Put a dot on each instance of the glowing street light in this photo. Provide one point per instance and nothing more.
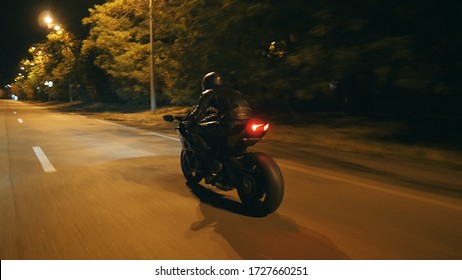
(49, 84)
(48, 19)
(51, 24)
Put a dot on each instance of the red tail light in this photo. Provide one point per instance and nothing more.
(257, 128)
(260, 126)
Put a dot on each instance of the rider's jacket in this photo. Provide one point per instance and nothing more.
(229, 106)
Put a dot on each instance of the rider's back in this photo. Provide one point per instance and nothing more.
(231, 105)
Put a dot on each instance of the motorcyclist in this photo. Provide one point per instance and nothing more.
(220, 110)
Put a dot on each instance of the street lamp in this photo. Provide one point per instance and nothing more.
(50, 23)
(49, 84)
(10, 94)
(48, 19)
(59, 30)
(151, 42)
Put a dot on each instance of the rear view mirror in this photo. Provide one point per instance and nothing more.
(168, 118)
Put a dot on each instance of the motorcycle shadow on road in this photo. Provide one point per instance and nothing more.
(217, 200)
(255, 236)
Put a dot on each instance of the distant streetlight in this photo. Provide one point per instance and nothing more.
(8, 89)
(49, 84)
(151, 42)
(51, 23)
(48, 19)
(59, 30)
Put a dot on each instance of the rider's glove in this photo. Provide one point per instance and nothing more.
(187, 124)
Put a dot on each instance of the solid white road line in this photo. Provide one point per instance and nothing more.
(355, 182)
(111, 123)
(20, 120)
(165, 136)
(153, 133)
(46, 164)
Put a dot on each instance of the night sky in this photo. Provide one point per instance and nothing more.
(20, 28)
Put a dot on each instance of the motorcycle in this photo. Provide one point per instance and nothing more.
(256, 176)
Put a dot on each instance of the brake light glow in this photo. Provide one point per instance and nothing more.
(255, 127)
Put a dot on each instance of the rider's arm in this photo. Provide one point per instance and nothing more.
(199, 111)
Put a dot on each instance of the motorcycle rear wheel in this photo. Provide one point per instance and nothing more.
(263, 189)
(189, 167)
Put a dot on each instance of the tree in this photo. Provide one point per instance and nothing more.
(118, 44)
(52, 60)
(321, 54)
(62, 49)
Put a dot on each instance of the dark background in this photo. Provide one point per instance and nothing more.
(20, 28)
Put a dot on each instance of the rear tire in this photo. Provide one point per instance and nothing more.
(189, 167)
(263, 189)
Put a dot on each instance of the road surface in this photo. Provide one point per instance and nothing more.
(73, 187)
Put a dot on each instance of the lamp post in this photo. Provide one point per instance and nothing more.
(8, 89)
(49, 84)
(59, 30)
(151, 60)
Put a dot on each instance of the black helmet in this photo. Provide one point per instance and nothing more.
(211, 80)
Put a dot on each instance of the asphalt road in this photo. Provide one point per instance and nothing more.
(73, 187)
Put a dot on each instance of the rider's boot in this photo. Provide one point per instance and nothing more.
(215, 169)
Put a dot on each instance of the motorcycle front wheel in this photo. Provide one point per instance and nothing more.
(189, 167)
(263, 188)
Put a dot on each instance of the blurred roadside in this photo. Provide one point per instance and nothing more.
(435, 140)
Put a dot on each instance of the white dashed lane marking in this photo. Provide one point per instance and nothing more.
(46, 164)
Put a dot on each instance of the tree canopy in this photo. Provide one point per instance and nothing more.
(330, 54)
